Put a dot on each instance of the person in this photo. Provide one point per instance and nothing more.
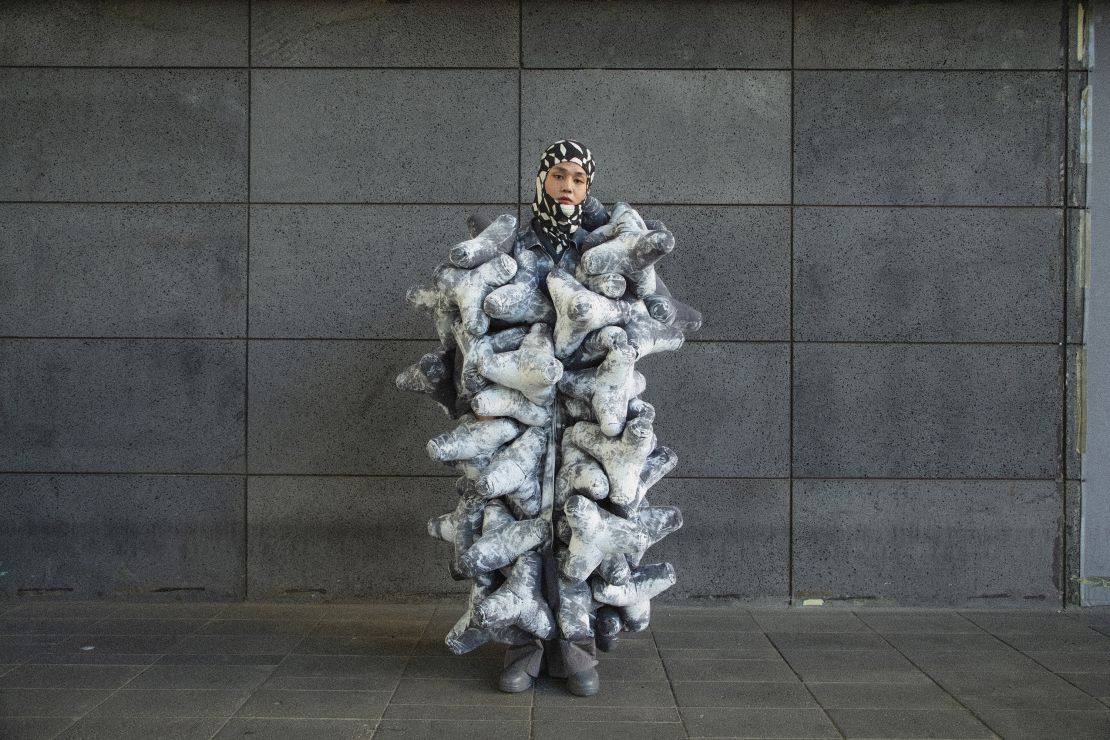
(562, 209)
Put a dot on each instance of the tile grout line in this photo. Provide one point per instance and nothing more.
(247, 321)
(484, 204)
(1065, 519)
(790, 374)
(670, 683)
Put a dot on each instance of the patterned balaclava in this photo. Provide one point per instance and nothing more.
(558, 220)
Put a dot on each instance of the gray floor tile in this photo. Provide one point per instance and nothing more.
(435, 729)
(171, 703)
(767, 653)
(1095, 660)
(907, 723)
(315, 704)
(630, 669)
(926, 642)
(972, 660)
(729, 670)
(49, 702)
(1095, 684)
(32, 676)
(398, 628)
(914, 622)
(607, 714)
(143, 728)
(802, 620)
(329, 683)
(63, 609)
(260, 610)
(757, 723)
(687, 619)
(553, 692)
(228, 677)
(257, 627)
(146, 626)
(220, 659)
(453, 666)
(15, 654)
(380, 674)
(1055, 642)
(827, 641)
(1048, 723)
(1014, 690)
(176, 610)
(455, 691)
(854, 666)
(609, 730)
(881, 696)
(297, 729)
(236, 644)
(705, 639)
(33, 728)
(1025, 621)
(381, 611)
(349, 645)
(477, 711)
(43, 625)
(742, 694)
(85, 643)
(95, 657)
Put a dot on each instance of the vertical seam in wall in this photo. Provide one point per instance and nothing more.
(519, 103)
(247, 332)
(790, 410)
(1065, 231)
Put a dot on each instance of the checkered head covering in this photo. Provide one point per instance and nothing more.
(558, 220)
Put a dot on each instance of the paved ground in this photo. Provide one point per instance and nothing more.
(117, 671)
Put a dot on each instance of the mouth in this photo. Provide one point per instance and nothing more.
(565, 199)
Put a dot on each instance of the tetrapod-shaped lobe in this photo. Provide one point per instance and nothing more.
(532, 369)
(503, 546)
(444, 315)
(431, 374)
(472, 349)
(647, 582)
(608, 388)
(473, 438)
(579, 311)
(622, 457)
(630, 247)
(497, 400)
(607, 627)
(636, 617)
(444, 526)
(579, 474)
(648, 335)
(575, 605)
(521, 301)
(519, 601)
(595, 534)
(661, 461)
(495, 239)
(466, 289)
(657, 522)
(468, 525)
(513, 466)
(466, 636)
(608, 284)
(662, 306)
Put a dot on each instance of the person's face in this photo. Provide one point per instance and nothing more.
(567, 183)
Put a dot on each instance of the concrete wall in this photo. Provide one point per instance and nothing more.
(211, 212)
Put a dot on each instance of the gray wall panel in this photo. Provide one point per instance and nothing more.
(1073, 497)
(665, 136)
(99, 536)
(158, 33)
(952, 543)
(292, 33)
(907, 411)
(658, 34)
(1079, 142)
(733, 265)
(343, 271)
(708, 394)
(998, 34)
(928, 274)
(941, 138)
(327, 407)
(1079, 258)
(734, 540)
(347, 537)
(112, 405)
(1077, 407)
(436, 136)
(111, 135)
(123, 270)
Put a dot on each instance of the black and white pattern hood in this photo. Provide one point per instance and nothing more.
(556, 220)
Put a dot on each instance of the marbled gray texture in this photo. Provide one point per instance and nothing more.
(746, 296)
(1078, 237)
(113, 405)
(1079, 142)
(957, 543)
(999, 34)
(342, 271)
(668, 136)
(107, 536)
(123, 270)
(927, 410)
(123, 135)
(440, 33)
(318, 135)
(935, 138)
(735, 536)
(1073, 511)
(657, 34)
(342, 537)
(734, 421)
(928, 274)
(1077, 407)
(330, 407)
(156, 33)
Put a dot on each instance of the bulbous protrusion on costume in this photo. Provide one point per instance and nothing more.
(465, 636)
(629, 246)
(521, 301)
(607, 627)
(473, 438)
(595, 534)
(532, 369)
(647, 582)
(497, 400)
(575, 604)
(648, 335)
(431, 374)
(518, 602)
(511, 467)
(608, 284)
(471, 350)
(579, 474)
(495, 239)
(614, 569)
(466, 289)
(636, 617)
(579, 311)
(503, 546)
(608, 387)
(661, 461)
(662, 306)
(468, 524)
(622, 457)
(657, 522)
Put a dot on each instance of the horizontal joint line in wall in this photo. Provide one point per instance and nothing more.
(514, 68)
(486, 204)
(1003, 343)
